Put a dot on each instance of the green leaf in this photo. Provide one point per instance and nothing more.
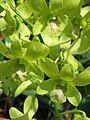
(73, 95)
(16, 49)
(24, 11)
(46, 86)
(85, 10)
(4, 51)
(33, 67)
(24, 31)
(49, 67)
(80, 117)
(54, 52)
(30, 106)
(67, 72)
(9, 67)
(1, 9)
(19, 2)
(37, 28)
(64, 41)
(83, 78)
(83, 45)
(49, 40)
(55, 5)
(9, 19)
(3, 24)
(70, 60)
(69, 4)
(15, 113)
(85, 42)
(22, 87)
(39, 6)
(36, 51)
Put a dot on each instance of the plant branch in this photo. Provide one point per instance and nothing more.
(73, 111)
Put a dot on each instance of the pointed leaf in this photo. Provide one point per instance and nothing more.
(4, 51)
(9, 67)
(49, 67)
(33, 67)
(30, 105)
(69, 4)
(73, 95)
(36, 50)
(83, 78)
(55, 5)
(15, 113)
(16, 49)
(37, 28)
(22, 87)
(46, 86)
(39, 6)
(67, 72)
(24, 11)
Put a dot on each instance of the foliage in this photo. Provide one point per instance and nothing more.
(38, 44)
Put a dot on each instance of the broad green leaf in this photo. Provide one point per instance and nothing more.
(80, 117)
(16, 49)
(86, 21)
(70, 60)
(66, 26)
(73, 95)
(75, 47)
(24, 11)
(36, 50)
(46, 86)
(37, 28)
(58, 95)
(85, 10)
(83, 44)
(24, 31)
(71, 9)
(49, 67)
(33, 67)
(55, 5)
(30, 106)
(15, 113)
(64, 41)
(48, 40)
(3, 24)
(4, 51)
(54, 52)
(83, 78)
(9, 67)
(69, 4)
(9, 19)
(39, 6)
(67, 72)
(22, 87)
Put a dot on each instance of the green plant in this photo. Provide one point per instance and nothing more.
(38, 43)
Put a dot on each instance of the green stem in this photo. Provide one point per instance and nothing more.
(73, 111)
(25, 21)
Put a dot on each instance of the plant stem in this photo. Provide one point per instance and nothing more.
(73, 111)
